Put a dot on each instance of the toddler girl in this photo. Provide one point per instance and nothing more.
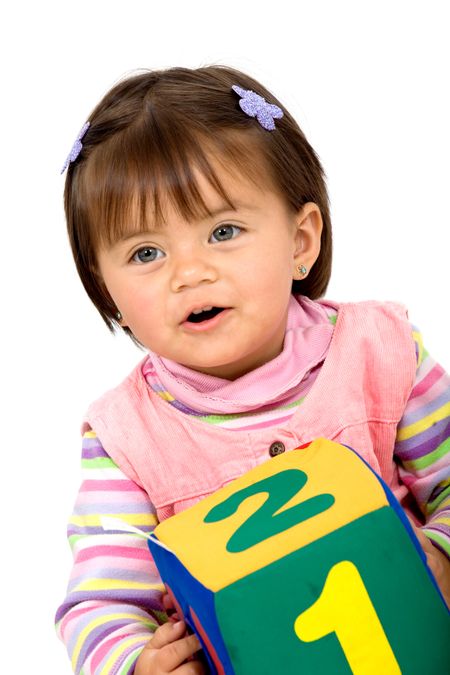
(198, 217)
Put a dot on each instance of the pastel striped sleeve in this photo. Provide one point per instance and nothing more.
(423, 446)
(113, 599)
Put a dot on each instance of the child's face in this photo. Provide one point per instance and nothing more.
(241, 263)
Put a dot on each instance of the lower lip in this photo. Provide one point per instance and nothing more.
(203, 326)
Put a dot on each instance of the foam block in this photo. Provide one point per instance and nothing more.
(306, 564)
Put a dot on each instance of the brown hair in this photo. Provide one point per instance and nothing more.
(145, 137)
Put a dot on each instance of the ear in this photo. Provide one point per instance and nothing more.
(307, 239)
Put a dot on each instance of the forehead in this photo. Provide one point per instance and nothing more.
(211, 191)
(233, 191)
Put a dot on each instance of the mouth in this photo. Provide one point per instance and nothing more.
(205, 314)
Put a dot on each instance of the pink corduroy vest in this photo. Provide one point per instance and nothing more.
(357, 399)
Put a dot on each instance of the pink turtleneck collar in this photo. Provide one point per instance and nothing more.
(308, 335)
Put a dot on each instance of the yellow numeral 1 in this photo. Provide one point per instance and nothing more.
(344, 607)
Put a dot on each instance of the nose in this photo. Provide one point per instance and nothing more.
(192, 271)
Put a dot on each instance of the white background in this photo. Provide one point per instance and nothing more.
(368, 83)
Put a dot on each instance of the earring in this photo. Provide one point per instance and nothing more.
(302, 270)
(118, 316)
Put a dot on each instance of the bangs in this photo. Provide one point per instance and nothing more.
(128, 180)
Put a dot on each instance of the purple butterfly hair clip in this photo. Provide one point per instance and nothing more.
(255, 105)
(76, 147)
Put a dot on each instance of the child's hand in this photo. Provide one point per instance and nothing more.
(169, 606)
(438, 563)
(168, 651)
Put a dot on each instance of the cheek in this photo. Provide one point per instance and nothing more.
(269, 273)
(144, 316)
(134, 300)
(113, 286)
(138, 304)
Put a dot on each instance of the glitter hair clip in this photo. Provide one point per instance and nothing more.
(255, 105)
(76, 147)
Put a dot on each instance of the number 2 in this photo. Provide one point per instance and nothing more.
(266, 521)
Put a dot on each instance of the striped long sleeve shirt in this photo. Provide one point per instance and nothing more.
(113, 604)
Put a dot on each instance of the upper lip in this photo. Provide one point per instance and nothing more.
(199, 307)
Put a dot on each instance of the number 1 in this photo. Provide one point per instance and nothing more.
(345, 608)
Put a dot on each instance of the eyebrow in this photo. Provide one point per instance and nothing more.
(221, 210)
(225, 208)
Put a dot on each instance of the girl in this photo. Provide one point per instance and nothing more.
(198, 217)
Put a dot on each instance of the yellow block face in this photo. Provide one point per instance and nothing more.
(334, 487)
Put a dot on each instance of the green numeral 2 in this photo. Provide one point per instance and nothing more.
(266, 522)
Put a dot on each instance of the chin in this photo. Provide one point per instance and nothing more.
(226, 371)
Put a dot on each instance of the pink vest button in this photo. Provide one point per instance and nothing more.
(276, 448)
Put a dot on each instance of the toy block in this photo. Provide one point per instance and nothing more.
(307, 564)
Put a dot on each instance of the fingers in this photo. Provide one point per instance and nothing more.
(167, 602)
(166, 634)
(192, 668)
(424, 541)
(170, 647)
(173, 655)
(426, 544)
(437, 562)
(173, 610)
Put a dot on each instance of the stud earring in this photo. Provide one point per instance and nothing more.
(118, 316)
(302, 270)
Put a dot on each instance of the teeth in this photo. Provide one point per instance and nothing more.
(199, 311)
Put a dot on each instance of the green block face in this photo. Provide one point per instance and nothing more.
(358, 600)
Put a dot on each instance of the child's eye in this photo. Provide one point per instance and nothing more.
(225, 232)
(147, 254)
